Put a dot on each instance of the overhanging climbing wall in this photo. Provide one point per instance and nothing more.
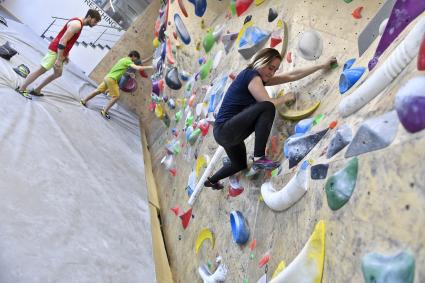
(372, 203)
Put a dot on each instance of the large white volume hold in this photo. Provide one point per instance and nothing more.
(384, 75)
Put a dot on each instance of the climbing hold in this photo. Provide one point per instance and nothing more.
(310, 45)
(189, 119)
(299, 147)
(275, 39)
(349, 77)
(201, 108)
(421, 56)
(289, 57)
(348, 64)
(232, 76)
(247, 19)
(319, 171)
(378, 268)
(374, 134)
(235, 188)
(176, 210)
(191, 183)
(170, 58)
(182, 8)
(7, 51)
(303, 126)
(22, 70)
(410, 105)
(205, 234)
(264, 260)
(403, 13)
(185, 217)
(333, 124)
(228, 41)
(155, 42)
(127, 83)
(192, 100)
(285, 145)
(279, 23)
(218, 276)
(357, 13)
(252, 40)
(181, 29)
(184, 76)
(178, 116)
(253, 245)
(204, 126)
(318, 118)
(383, 26)
(295, 115)
(167, 161)
(206, 69)
(288, 195)
(158, 86)
(280, 267)
(259, 2)
(172, 79)
(272, 15)
(216, 92)
(242, 6)
(200, 7)
(233, 7)
(342, 138)
(217, 59)
(340, 186)
(348, 1)
(201, 60)
(240, 230)
(202, 162)
(218, 31)
(208, 41)
(308, 265)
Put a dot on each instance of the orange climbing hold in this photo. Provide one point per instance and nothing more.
(264, 260)
(274, 144)
(333, 124)
(176, 210)
(253, 245)
(175, 35)
(185, 217)
(182, 8)
(421, 56)
(170, 58)
(357, 13)
(242, 6)
(173, 172)
(289, 57)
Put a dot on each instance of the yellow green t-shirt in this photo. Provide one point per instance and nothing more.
(119, 68)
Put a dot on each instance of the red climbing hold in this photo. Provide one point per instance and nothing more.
(185, 217)
(175, 35)
(333, 124)
(275, 40)
(176, 210)
(152, 106)
(253, 245)
(289, 57)
(357, 13)
(173, 172)
(274, 144)
(182, 8)
(264, 260)
(242, 6)
(143, 73)
(421, 56)
(232, 76)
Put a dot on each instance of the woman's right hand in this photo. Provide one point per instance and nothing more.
(289, 98)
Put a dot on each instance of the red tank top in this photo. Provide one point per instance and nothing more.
(54, 44)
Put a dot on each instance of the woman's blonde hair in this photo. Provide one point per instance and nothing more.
(263, 57)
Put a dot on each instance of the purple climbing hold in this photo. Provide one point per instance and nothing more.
(403, 13)
(410, 105)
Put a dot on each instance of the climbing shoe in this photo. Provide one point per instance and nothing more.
(33, 92)
(24, 93)
(265, 163)
(214, 186)
(105, 114)
(83, 103)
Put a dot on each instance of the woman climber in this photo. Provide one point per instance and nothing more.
(247, 108)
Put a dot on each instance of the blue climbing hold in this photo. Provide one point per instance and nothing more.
(200, 6)
(304, 126)
(240, 230)
(349, 77)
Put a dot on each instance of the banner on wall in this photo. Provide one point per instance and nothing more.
(108, 15)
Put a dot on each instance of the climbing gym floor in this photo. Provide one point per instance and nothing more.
(73, 192)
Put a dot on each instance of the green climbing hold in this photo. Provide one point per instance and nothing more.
(318, 118)
(205, 69)
(245, 281)
(334, 65)
(233, 7)
(194, 136)
(208, 41)
(189, 120)
(348, 1)
(340, 186)
(178, 116)
(378, 268)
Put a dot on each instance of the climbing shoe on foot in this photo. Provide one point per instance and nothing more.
(24, 93)
(33, 92)
(214, 186)
(265, 163)
(105, 114)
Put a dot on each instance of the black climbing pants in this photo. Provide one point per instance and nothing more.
(231, 134)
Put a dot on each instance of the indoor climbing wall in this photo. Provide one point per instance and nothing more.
(349, 194)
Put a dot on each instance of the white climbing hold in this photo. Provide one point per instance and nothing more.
(310, 45)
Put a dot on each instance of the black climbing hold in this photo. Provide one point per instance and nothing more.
(172, 79)
(299, 147)
(272, 15)
(6, 51)
(342, 138)
(247, 19)
(3, 21)
(319, 171)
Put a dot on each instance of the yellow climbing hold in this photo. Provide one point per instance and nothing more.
(155, 42)
(204, 235)
(308, 265)
(159, 111)
(281, 266)
(259, 2)
(280, 23)
(242, 31)
(198, 45)
(203, 161)
(295, 115)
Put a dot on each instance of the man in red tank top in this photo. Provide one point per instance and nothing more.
(58, 52)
